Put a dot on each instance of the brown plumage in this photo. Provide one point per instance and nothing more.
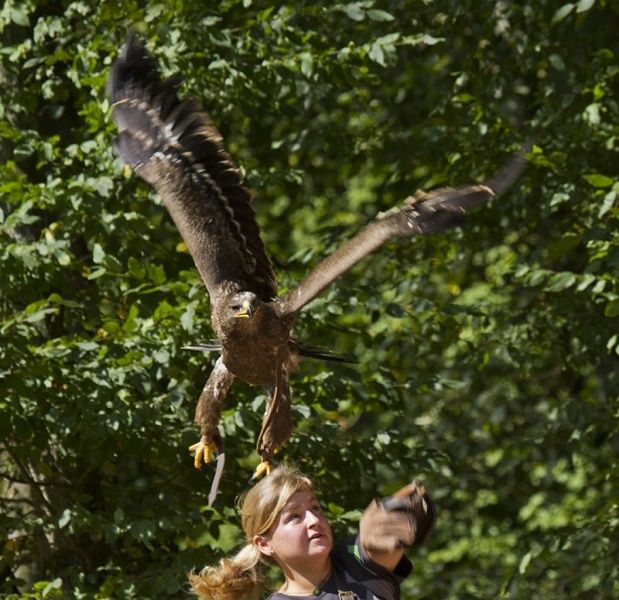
(175, 147)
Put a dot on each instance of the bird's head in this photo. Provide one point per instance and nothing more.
(243, 305)
(240, 314)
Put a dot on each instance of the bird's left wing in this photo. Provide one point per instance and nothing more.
(425, 212)
(175, 147)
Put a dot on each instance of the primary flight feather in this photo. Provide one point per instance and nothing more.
(173, 145)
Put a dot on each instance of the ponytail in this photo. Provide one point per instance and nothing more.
(235, 578)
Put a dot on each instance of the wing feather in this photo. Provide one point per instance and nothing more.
(425, 212)
(175, 147)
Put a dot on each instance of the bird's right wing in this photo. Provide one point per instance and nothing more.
(175, 147)
(425, 212)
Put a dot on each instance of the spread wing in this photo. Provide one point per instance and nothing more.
(429, 212)
(175, 147)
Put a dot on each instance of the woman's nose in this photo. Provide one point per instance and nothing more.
(311, 518)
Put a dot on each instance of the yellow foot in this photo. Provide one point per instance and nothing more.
(203, 452)
(264, 468)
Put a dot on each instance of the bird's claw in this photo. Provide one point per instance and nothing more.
(204, 452)
(264, 468)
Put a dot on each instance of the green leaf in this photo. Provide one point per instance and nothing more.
(612, 309)
(98, 254)
(592, 113)
(307, 64)
(52, 589)
(524, 563)
(162, 356)
(156, 274)
(187, 318)
(607, 204)
(96, 274)
(599, 181)
(104, 186)
(559, 198)
(421, 38)
(210, 21)
(380, 15)
(354, 11)
(584, 5)
(136, 268)
(19, 16)
(111, 263)
(377, 54)
(585, 281)
(560, 281)
(65, 518)
(153, 11)
(563, 12)
(63, 257)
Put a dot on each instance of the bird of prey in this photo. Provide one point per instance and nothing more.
(172, 144)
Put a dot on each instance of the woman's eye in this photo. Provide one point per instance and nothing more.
(293, 517)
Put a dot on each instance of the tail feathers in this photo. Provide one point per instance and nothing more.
(318, 353)
(210, 346)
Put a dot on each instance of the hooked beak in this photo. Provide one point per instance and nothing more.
(246, 311)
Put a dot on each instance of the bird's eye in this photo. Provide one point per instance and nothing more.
(236, 307)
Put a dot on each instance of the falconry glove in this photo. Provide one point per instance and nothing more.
(399, 521)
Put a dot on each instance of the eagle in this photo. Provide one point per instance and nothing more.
(173, 145)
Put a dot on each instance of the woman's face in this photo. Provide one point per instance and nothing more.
(301, 532)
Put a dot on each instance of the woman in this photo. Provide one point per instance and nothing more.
(284, 524)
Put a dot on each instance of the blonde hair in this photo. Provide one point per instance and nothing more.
(238, 577)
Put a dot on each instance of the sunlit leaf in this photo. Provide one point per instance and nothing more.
(563, 12)
(380, 15)
(584, 5)
(597, 180)
(612, 309)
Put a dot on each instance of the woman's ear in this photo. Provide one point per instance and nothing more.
(263, 544)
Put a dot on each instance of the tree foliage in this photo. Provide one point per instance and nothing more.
(487, 356)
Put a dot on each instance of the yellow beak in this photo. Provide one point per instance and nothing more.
(246, 312)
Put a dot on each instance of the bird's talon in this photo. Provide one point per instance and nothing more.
(264, 468)
(204, 452)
